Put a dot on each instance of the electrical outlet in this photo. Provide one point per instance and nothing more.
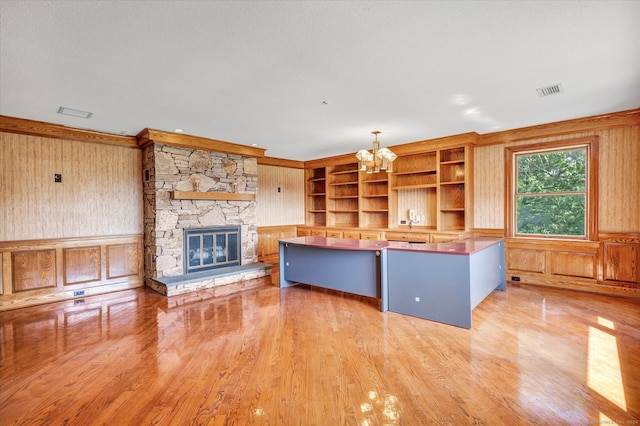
(514, 278)
(417, 299)
(78, 293)
(57, 178)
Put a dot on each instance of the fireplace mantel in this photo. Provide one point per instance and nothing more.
(194, 195)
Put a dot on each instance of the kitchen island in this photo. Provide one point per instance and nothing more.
(440, 282)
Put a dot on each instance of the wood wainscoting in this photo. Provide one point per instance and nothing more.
(608, 266)
(40, 271)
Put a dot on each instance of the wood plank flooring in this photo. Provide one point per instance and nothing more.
(303, 356)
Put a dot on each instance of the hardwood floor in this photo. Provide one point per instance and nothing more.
(302, 356)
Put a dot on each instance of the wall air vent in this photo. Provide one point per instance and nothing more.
(550, 90)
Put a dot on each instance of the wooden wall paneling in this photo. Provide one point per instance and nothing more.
(34, 270)
(3, 285)
(122, 260)
(284, 207)
(489, 190)
(621, 262)
(423, 200)
(573, 264)
(619, 180)
(81, 264)
(526, 259)
(268, 237)
(100, 192)
(41, 271)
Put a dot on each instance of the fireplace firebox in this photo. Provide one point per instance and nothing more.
(211, 248)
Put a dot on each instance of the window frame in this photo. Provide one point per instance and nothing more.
(591, 209)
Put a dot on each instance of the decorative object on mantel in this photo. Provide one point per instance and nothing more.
(377, 159)
(195, 181)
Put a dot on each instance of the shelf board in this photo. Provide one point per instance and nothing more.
(317, 194)
(425, 185)
(344, 197)
(375, 196)
(343, 183)
(343, 211)
(453, 183)
(375, 210)
(415, 172)
(316, 179)
(375, 181)
(452, 162)
(344, 172)
(317, 211)
(193, 195)
(456, 209)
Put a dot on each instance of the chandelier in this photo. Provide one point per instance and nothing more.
(377, 159)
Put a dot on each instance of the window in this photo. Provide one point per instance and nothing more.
(552, 189)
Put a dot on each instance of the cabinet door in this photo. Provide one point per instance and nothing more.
(352, 235)
(370, 236)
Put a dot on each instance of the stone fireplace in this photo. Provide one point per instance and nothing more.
(190, 190)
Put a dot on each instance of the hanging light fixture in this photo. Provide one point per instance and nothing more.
(377, 159)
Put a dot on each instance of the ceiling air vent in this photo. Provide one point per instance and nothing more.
(550, 90)
(74, 112)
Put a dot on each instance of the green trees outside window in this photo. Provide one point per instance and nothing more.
(551, 192)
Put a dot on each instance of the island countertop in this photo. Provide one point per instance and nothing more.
(460, 247)
(337, 243)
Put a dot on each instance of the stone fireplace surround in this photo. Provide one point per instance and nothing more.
(168, 168)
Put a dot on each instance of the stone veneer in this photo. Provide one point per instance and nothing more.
(169, 168)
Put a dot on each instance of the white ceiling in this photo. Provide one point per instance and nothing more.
(261, 71)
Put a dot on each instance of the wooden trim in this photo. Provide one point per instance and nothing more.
(66, 242)
(455, 141)
(487, 232)
(619, 236)
(228, 196)
(280, 162)
(331, 161)
(593, 123)
(150, 136)
(58, 131)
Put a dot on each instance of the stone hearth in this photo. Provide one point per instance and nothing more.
(170, 168)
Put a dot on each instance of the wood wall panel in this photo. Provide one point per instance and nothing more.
(100, 192)
(34, 270)
(285, 207)
(489, 202)
(268, 237)
(424, 201)
(619, 183)
(573, 264)
(530, 260)
(81, 264)
(122, 260)
(42, 271)
(621, 262)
